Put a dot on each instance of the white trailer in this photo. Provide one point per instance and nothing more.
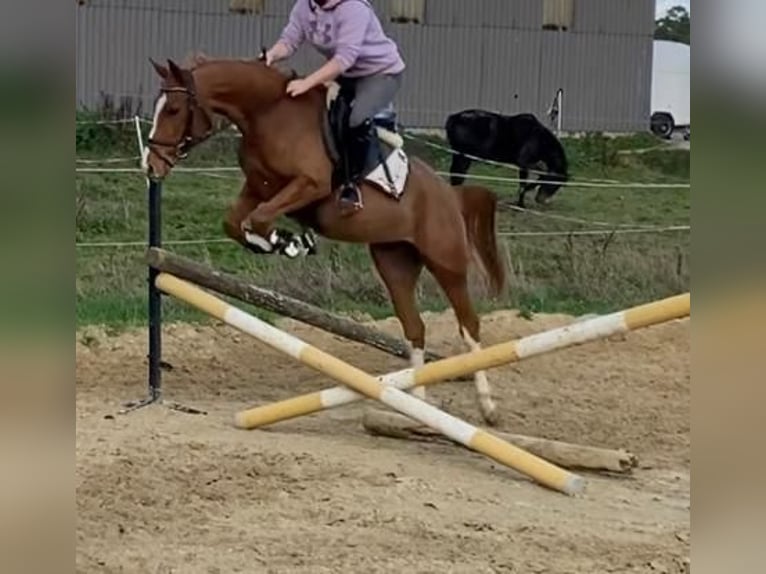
(671, 88)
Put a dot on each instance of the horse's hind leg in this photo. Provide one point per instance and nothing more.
(455, 285)
(399, 266)
(458, 169)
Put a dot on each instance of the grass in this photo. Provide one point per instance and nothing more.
(571, 274)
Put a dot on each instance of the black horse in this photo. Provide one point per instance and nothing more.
(520, 140)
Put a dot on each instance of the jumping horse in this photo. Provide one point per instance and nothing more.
(288, 168)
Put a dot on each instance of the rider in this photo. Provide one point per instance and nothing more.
(360, 57)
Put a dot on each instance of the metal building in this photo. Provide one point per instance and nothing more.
(506, 55)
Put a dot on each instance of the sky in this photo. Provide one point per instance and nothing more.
(663, 5)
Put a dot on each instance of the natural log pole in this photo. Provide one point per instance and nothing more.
(233, 286)
(567, 455)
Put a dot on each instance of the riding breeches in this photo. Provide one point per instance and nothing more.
(373, 95)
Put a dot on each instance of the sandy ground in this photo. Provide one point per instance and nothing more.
(160, 491)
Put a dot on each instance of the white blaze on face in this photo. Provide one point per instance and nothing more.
(161, 101)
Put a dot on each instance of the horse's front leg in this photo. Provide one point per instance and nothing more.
(525, 185)
(258, 226)
(270, 241)
(247, 201)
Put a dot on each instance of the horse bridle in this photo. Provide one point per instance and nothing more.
(187, 140)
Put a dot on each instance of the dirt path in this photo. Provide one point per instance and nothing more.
(159, 491)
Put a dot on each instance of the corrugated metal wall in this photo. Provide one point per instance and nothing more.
(491, 54)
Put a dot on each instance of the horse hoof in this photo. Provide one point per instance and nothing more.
(308, 239)
(492, 419)
(490, 414)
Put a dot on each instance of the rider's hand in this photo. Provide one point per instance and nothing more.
(276, 53)
(298, 87)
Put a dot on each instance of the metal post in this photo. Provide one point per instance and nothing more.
(155, 304)
(155, 308)
(155, 313)
(154, 207)
(155, 297)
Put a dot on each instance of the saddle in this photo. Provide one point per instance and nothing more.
(386, 165)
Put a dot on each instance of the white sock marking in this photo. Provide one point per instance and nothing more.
(480, 377)
(417, 360)
(260, 242)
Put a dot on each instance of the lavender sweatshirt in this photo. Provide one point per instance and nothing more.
(347, 31)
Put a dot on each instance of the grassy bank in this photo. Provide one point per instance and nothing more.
(570, 273)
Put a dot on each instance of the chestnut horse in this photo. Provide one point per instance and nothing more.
(288, 172)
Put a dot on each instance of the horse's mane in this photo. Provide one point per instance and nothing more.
(197, 60)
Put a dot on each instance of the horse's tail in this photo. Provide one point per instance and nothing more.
(479, 205)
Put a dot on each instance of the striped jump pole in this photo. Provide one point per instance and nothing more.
(369, 386)
(460, 365)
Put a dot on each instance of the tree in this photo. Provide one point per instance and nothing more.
(674, 26)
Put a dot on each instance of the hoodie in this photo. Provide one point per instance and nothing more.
(347, 31)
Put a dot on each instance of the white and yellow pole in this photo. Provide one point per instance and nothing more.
(369, 386)
(468, 363)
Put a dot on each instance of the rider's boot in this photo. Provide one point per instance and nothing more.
(356, 150)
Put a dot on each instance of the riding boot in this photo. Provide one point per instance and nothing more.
(356, 150)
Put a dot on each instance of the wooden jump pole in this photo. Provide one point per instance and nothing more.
(233, 286)
(460, 365)
(479, 440)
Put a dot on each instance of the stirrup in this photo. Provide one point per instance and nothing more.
(350, 197)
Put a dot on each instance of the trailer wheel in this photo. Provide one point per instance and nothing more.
(662, 125)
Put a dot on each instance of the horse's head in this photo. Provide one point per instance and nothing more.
(180, 121)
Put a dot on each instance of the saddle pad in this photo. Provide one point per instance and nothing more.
(398, 166)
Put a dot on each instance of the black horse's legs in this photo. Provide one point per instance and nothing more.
(525, 185)
(527, 159)
(458, 169)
